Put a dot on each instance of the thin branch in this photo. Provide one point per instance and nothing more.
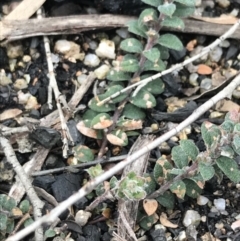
(118, 167)
(36, 202)
(177, 67)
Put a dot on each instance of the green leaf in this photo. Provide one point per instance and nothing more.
(218, 173)
(7, 203)
(176, 171)
(173, 22)
(131, 45)
(133, 27)
(167, 9)
(147, 16)
(143, 99)
(190, 3)
(112, 90)
(133, 112)
(228, 126)
(127, 125)
(101, 121)
(170, 41)
(164, 52)
(28, 222)
(118, 75)
(103, 108)
(50, 233)
(83, 153)
(178, 188)
(99, 189)
(162, 170)
(154, 3)
(3, 221)
(156, 87)
(129, 64)
(89, 114)
(113, 182)
(190, 149)
(152, 54)
(229, 167)
(118, 138)
(150, 184)
(206, 171)
(236, 128)
(147, 222)
(183, 11)
(85, 128)
(167, 200)
(24, 206)
(10, 225)
(192, 189)
(158, 66)
(227, 151)
(94, 171)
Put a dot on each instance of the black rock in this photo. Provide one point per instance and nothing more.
(106, 237)
(3, 57)
(172, 87)
(44, 136)
(34, 114)
(161, 105)
(44, 182)
(81, 204)
(77, 137)
(178, 115)
(91, 233)
(65, 185)
(42, 95)
(51, 161)
(158, 235)
(178, 55)
(232, 51)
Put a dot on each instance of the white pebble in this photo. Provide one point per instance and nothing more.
(191, 217)
(182, 236)
(93, 45)
(81, 78)
(206, 84)
(201, 200)
(14, 50)
(106, 49)
(224, 44)
(216, 54)
(193, 79)
(82, 217)
(223, 3)
(102, 71)
(20, 84)
(220, 204)
(91, 60)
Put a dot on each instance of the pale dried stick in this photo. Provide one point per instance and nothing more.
(58, 96)
(36, 202)
(88, 187)
(179, 66)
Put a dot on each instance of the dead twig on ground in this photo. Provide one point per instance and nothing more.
(36, 202)
(13, 30)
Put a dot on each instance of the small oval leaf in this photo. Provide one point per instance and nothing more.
(118, 138)
(131, 45)
(143, 99)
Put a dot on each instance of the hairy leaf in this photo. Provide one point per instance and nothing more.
(24, 206)
(229, 167)
(49, 233)
(94, 171)
(147, 16)
(129, 64)
(183, 11)
(170, 41)
(167, 9)
(152, 54)
(179, 188)
(101, 121)
(143, 99)
(83, 153)
(186, 2)
(173, 22)
(158, 66)
(207, 171)
(3, 221)
(103, 108)
(150, 184)
(118, 137)
(133, 27)
(192, 189)
(155, 87)
(154, 3)
(133, 112)
(162, 170)
(147, 222)
(167, 200)
(228, 126)
(164, 52)
(131, 45)
(85, 128)
(89, 114)
(118, 75)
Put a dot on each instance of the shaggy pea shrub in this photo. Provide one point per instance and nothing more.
(144, 53)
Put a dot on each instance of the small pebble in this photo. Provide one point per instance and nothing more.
(204, 69)
(102, 71)
(106, 49)
(14, 50)
(20, 84)
(26, 58)
(216, 54)
(82, 217)
(206, 84)
(223, 3)
(93, 45)
(191, 217)
(208, 3)
(4, 80)
(193, 79)
(182, 236)
(201, 200)
(91, 60)
(197, 51)
(81, 78)
(234, 12)
(220, 204)
(224, 44)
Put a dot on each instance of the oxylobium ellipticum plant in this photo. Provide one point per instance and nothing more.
(143, 55)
